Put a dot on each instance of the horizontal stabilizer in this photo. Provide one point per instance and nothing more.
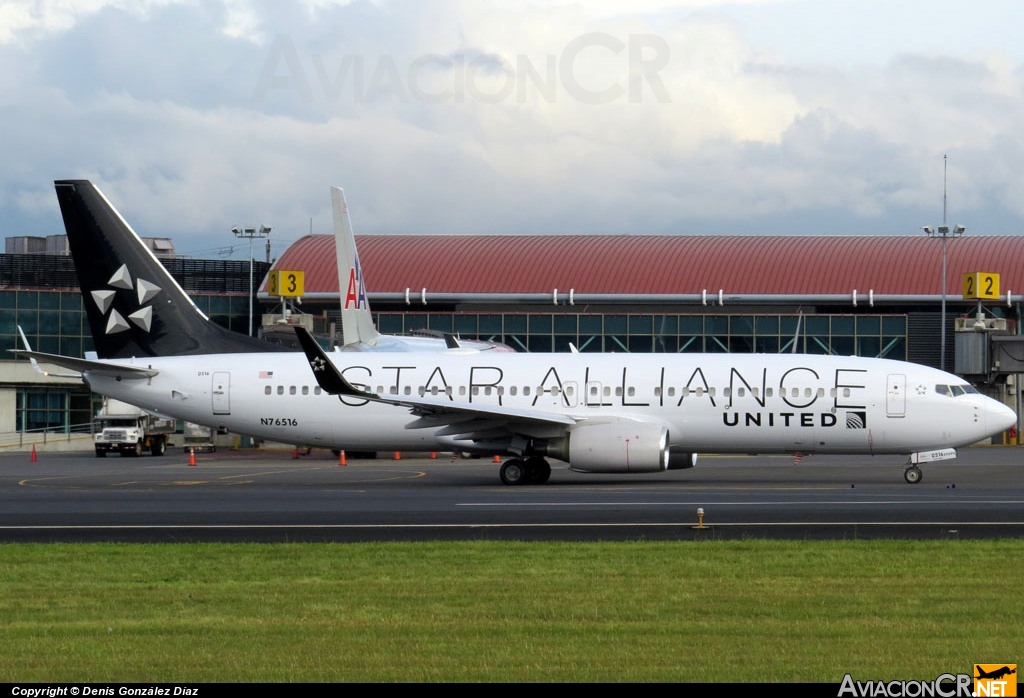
(87, 368)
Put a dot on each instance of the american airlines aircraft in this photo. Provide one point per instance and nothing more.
(357, 328)
(600, 413)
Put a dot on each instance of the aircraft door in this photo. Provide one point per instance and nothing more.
(896, 395)
(221, 392)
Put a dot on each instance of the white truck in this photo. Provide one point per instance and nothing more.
(129, 430)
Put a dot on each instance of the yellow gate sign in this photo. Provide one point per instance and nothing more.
(981, 284)
(287, 284)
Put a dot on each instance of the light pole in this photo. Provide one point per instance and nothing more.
(240, 232)
(943, 233)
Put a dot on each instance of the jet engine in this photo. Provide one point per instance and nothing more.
(623, 446)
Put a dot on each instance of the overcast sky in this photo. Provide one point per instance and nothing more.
(507, 116)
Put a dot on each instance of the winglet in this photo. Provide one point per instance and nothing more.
(327, 376)
(35, 364)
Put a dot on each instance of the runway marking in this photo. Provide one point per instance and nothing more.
(61, 481)
(704, 502)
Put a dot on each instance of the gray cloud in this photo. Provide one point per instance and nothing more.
(454, 117)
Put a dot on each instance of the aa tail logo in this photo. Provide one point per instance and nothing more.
(355, 295)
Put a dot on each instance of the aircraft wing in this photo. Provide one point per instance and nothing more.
(464, 420)
(87, 367)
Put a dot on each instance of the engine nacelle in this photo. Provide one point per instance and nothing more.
(614, 447)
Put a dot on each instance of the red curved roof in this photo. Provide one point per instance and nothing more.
(654, 264)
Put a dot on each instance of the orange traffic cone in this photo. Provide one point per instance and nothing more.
(497, 458)
(295, 453)
(342, 460)
(433, 455)
(398, 455)
(191, 456)
(33, 457)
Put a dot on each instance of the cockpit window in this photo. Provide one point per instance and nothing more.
(955, 390)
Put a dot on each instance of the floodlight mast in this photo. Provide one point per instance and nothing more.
(943, 233)
(241, 232)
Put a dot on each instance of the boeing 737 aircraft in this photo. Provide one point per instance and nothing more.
(600, 413)
(357, 328)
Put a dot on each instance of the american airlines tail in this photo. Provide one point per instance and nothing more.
(134, 306)
(356, 322)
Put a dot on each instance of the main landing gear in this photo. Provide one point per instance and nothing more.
(912, 475)
(525, 471)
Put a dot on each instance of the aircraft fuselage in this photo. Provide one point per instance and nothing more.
(709, 403)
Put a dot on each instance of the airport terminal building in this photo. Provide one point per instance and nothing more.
(879, 296)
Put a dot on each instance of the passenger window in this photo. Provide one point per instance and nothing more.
(280, 390)
(291, 390)
(267, 390)
(305, 390)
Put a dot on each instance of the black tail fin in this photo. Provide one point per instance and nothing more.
(134, 306)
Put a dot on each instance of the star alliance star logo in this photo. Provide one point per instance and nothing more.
(317, 364)
(141, 318)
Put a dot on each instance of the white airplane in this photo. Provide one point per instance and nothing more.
(357, 328)
(600, 413)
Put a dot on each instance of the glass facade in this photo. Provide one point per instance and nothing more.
(54, 322)
(861, 335)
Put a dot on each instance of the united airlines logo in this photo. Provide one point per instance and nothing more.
(141, 318)
(856, 420)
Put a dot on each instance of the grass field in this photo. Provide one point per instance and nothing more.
(742, 611)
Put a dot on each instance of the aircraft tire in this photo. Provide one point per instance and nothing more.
(912, 475)
(513, 472)
(537, 471)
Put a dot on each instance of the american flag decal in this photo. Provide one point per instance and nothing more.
(266, 374)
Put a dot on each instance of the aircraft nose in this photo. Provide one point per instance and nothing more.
(1000, 417)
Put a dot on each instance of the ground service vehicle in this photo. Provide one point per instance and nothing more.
(129, 430)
